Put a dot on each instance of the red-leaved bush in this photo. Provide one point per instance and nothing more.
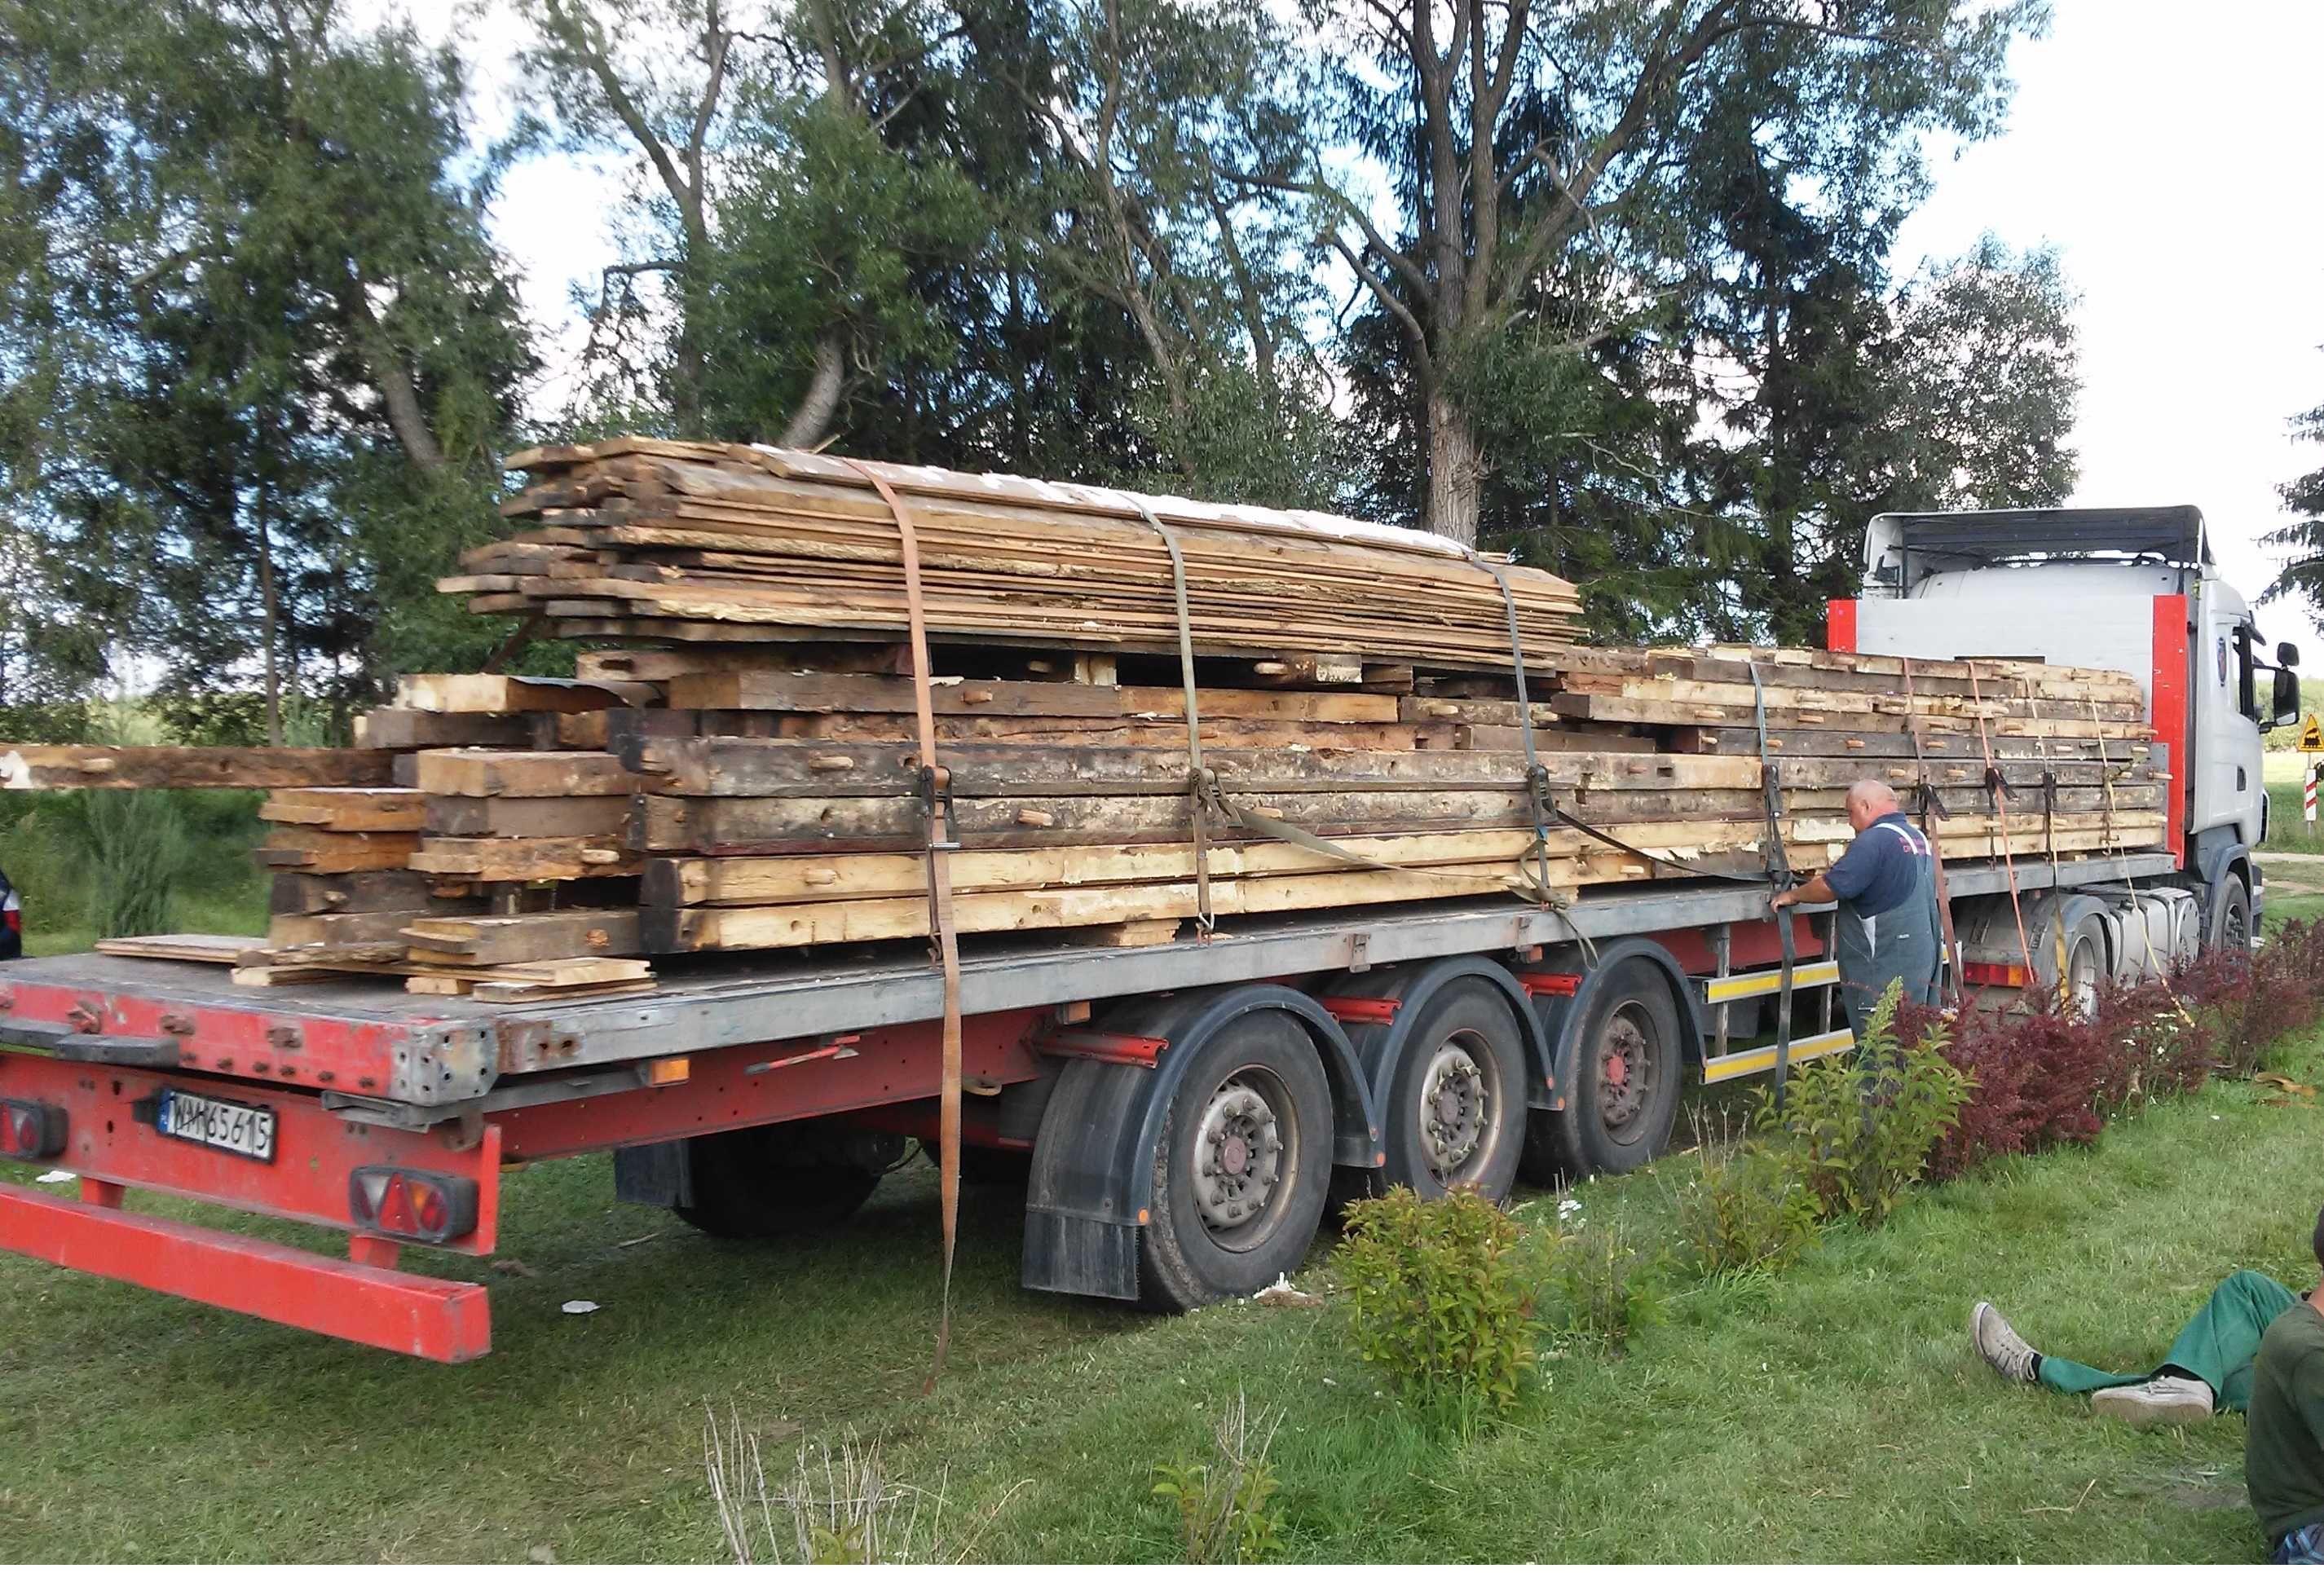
(2044, 1079)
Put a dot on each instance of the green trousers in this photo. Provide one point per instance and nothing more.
(2218, 1345)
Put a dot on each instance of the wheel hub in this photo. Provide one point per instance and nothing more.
(1238, 1157)
(1621, 1049)
(1453, 1100)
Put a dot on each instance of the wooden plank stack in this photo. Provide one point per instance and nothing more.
(699, 542)
(736, 768)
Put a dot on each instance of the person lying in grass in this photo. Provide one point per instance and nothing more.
(2254, 1346)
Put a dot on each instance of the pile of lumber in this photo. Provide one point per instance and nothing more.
(711, 542)
(735, 765)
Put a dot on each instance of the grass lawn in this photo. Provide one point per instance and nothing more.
(1833, 1413)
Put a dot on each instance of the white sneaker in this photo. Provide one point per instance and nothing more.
(1998, 1342)
(2164, 1401)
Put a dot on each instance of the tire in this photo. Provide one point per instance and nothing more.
(1455, 1110)
(2230, 924)
(2085, 969)
(1243, 1168)
(1627, 1066)
(743, 1189)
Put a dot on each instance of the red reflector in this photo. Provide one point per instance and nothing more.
(30, 1130)
(411, 1204)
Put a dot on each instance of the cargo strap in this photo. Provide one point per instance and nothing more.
(1538, 799)
(943, 839)
(1997, 789)
(1932, 809)
(1780, 878)
(1203, 798)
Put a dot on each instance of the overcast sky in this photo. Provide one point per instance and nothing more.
(2167, 149)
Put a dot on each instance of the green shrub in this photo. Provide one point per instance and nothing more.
(1227, 1510)
(1605, 1283)
(1437, 1296)
(1861, 1128)
(1750, 1207)
(135, 849)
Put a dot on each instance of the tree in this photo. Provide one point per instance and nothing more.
(2302, 575)
(605, 70)
(1537, 153)
(257, 336)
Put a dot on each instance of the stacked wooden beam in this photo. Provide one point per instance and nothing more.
(744, 772)
(794, 837)
(456, 853)
(687, 541)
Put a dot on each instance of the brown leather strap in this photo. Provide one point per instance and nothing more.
(936, 791)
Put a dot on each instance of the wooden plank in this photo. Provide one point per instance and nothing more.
(347, 808)
(491, 694)
(529, 937)
(487, 773)
(527, 993)
(528, 816)
(675, 929)
(380, 890)
(44, 766)
(421, 728)
(756, 768)
(497, 858)
(329, 851)
(221, 949)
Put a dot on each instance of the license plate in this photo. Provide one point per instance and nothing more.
(231, 1127)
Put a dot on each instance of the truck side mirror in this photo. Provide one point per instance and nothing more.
(2287, 655)
(2286, 697)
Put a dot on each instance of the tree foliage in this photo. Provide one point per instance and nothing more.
(2302, 575)
(261, 351)
(1609, 283)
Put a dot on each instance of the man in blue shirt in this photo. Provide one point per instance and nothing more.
(1886, 884)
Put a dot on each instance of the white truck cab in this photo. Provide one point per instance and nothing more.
(2131, 589)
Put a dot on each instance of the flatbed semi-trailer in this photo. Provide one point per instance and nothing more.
(391, 1116)
(1180, 1112)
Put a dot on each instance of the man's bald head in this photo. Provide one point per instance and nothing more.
(1870, 800)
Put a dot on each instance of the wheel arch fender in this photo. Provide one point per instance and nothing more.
(1093, 1182)
(1380, 1046)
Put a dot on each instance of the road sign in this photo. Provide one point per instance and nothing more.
(2308, 797)
(2311, 735)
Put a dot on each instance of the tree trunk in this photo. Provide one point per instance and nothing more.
(820, 402)
(1456, 471)
(266, 623)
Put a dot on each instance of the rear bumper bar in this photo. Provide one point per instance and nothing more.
(431, 1317)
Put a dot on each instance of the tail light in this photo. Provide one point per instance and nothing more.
(30, 1130)
(1995, 974)
(411, 1204)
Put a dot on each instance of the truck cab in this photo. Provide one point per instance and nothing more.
(2133, 589)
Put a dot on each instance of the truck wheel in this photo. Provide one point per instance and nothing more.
(2085, 969)
(1243, 1168)
(1456, 1107)
(2230, 928)
(1627, 1066)
(743, 1189)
